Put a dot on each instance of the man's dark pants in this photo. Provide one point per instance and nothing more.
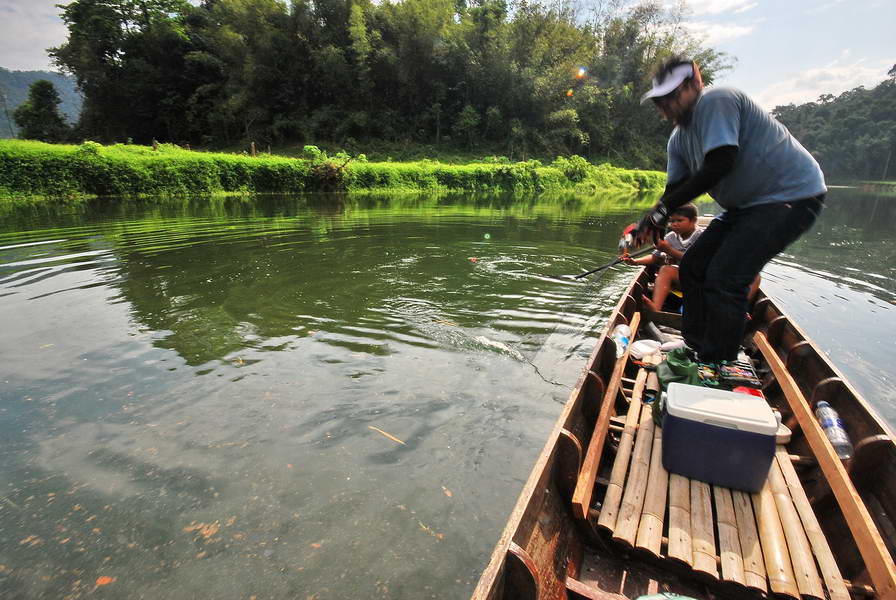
(716, 272)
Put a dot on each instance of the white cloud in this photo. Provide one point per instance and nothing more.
(715, 33)
(820, 8)
(717, 7)
(27, 29)
(834, 78)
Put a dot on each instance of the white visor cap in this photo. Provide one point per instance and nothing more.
(674, 79)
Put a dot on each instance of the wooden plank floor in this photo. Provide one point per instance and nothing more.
(766, 542)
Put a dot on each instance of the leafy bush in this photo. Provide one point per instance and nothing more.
(88, 149)
(314, 153)
(574, 167)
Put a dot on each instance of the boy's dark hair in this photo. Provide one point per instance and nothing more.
(688, 211)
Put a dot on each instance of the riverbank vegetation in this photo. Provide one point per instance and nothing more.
(523, 78)
(853, 135)
(91, 169)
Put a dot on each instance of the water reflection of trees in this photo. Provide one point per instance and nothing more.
(237, 278)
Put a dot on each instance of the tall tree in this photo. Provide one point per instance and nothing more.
(127, 56)
(39, 117)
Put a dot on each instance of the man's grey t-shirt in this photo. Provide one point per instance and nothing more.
(771, 165)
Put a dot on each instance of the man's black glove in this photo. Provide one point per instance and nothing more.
(652, 225)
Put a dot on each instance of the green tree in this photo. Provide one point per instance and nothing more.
(466, 123)
(39, 117)
(128, 59)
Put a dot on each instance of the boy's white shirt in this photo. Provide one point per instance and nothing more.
(679, 243)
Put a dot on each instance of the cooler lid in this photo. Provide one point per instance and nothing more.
(721, 408)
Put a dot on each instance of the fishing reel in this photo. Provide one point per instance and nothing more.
(650, 228)
(627, 241)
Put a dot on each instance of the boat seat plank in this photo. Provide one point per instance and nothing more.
(577, 589)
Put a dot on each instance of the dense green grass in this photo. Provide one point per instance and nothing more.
(48, 170)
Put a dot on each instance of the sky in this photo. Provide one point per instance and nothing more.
(786, 51)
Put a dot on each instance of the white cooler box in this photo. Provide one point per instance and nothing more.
(721, 437)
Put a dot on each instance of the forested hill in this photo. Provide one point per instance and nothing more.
(522, 77)
(15, 85)
(853, 135)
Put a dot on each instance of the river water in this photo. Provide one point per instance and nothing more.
(325, 398)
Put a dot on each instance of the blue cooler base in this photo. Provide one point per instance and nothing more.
(718, 455)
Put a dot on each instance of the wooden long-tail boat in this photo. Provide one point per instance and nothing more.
(600, 518)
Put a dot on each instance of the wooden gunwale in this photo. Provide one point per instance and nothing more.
(559, 575)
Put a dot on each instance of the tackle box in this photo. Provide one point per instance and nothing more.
(720, 437)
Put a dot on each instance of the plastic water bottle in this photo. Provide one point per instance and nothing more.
(833, 428)
(622, 333)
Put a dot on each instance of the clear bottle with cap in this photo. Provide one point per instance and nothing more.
(834, 430)
(621, 334)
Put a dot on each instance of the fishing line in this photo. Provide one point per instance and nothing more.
(592, 283)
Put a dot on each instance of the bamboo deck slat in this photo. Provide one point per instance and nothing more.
(610, 508)
(650, 530)
(807, 579)
(729, 540)
(633, 499)
(774, 547)
(680, 519)
(751, 550)
(703, 543)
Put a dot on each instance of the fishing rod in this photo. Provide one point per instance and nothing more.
(616, 262)
(590, 286)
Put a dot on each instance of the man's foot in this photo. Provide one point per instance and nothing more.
(709, 374)
(648, 304)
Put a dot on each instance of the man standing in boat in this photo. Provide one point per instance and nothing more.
(771, 188)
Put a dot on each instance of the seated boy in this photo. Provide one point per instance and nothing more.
(684, 232)
(668, 253)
